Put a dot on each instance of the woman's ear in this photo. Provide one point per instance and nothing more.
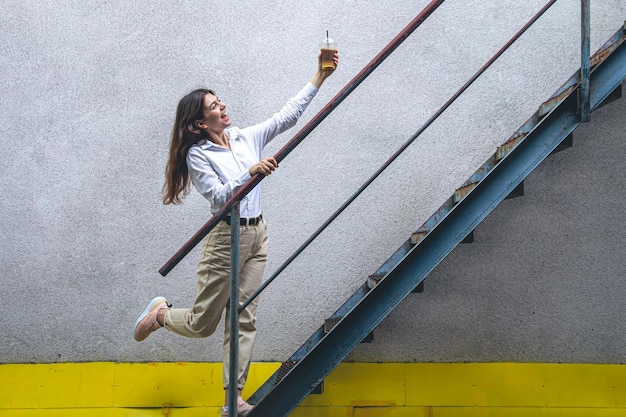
(200, 124)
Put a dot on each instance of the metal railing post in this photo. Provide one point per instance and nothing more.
(585, 53)
(233, 379)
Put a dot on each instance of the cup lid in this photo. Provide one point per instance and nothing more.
(328, 42)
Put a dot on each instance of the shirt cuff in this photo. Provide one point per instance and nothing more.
(309, 88)
(243, 178)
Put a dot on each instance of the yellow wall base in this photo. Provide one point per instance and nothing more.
(352, 390)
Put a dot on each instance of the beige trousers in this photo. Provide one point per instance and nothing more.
(214, 293)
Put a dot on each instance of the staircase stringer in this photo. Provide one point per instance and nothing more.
(408, 267)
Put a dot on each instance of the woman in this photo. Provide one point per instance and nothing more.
(218, 159)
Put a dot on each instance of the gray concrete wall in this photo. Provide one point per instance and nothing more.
(89, 90)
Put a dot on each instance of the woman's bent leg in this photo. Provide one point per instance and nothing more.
(213, 288)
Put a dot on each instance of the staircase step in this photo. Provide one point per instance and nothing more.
(416, 237)
(504, 149)
(284, 369)
(615, 95)
(469, 238)
(460, 193)
(568, 142)
(558, 97)
(332, 322)
(517, 191)
(419, 289)
(373, 280)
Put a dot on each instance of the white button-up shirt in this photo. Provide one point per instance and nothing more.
(217, 173)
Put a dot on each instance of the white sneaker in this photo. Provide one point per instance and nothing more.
(147, 321)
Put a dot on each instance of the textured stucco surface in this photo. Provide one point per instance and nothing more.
(89, 90)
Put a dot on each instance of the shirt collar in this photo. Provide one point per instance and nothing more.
(232, 136)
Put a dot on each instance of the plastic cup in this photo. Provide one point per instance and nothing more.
(328, 48)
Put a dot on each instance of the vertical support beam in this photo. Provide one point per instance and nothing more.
(585, 53)
(234, 312)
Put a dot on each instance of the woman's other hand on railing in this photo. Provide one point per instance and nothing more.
(265, 166)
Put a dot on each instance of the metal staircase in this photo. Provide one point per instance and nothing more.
(548, 130)
(501, 176)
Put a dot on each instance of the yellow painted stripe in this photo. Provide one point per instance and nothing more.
(353, 389)
(330, 412)
(163, 412)
(104, 384)
(517, 384)
(484, 412)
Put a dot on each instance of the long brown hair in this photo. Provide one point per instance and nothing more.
(184, 135)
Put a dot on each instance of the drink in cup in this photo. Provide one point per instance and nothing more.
(328, 48)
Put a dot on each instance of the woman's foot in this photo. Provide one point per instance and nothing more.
(243, 408)
(147, 321)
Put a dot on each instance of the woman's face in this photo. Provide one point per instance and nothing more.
(214, 114)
